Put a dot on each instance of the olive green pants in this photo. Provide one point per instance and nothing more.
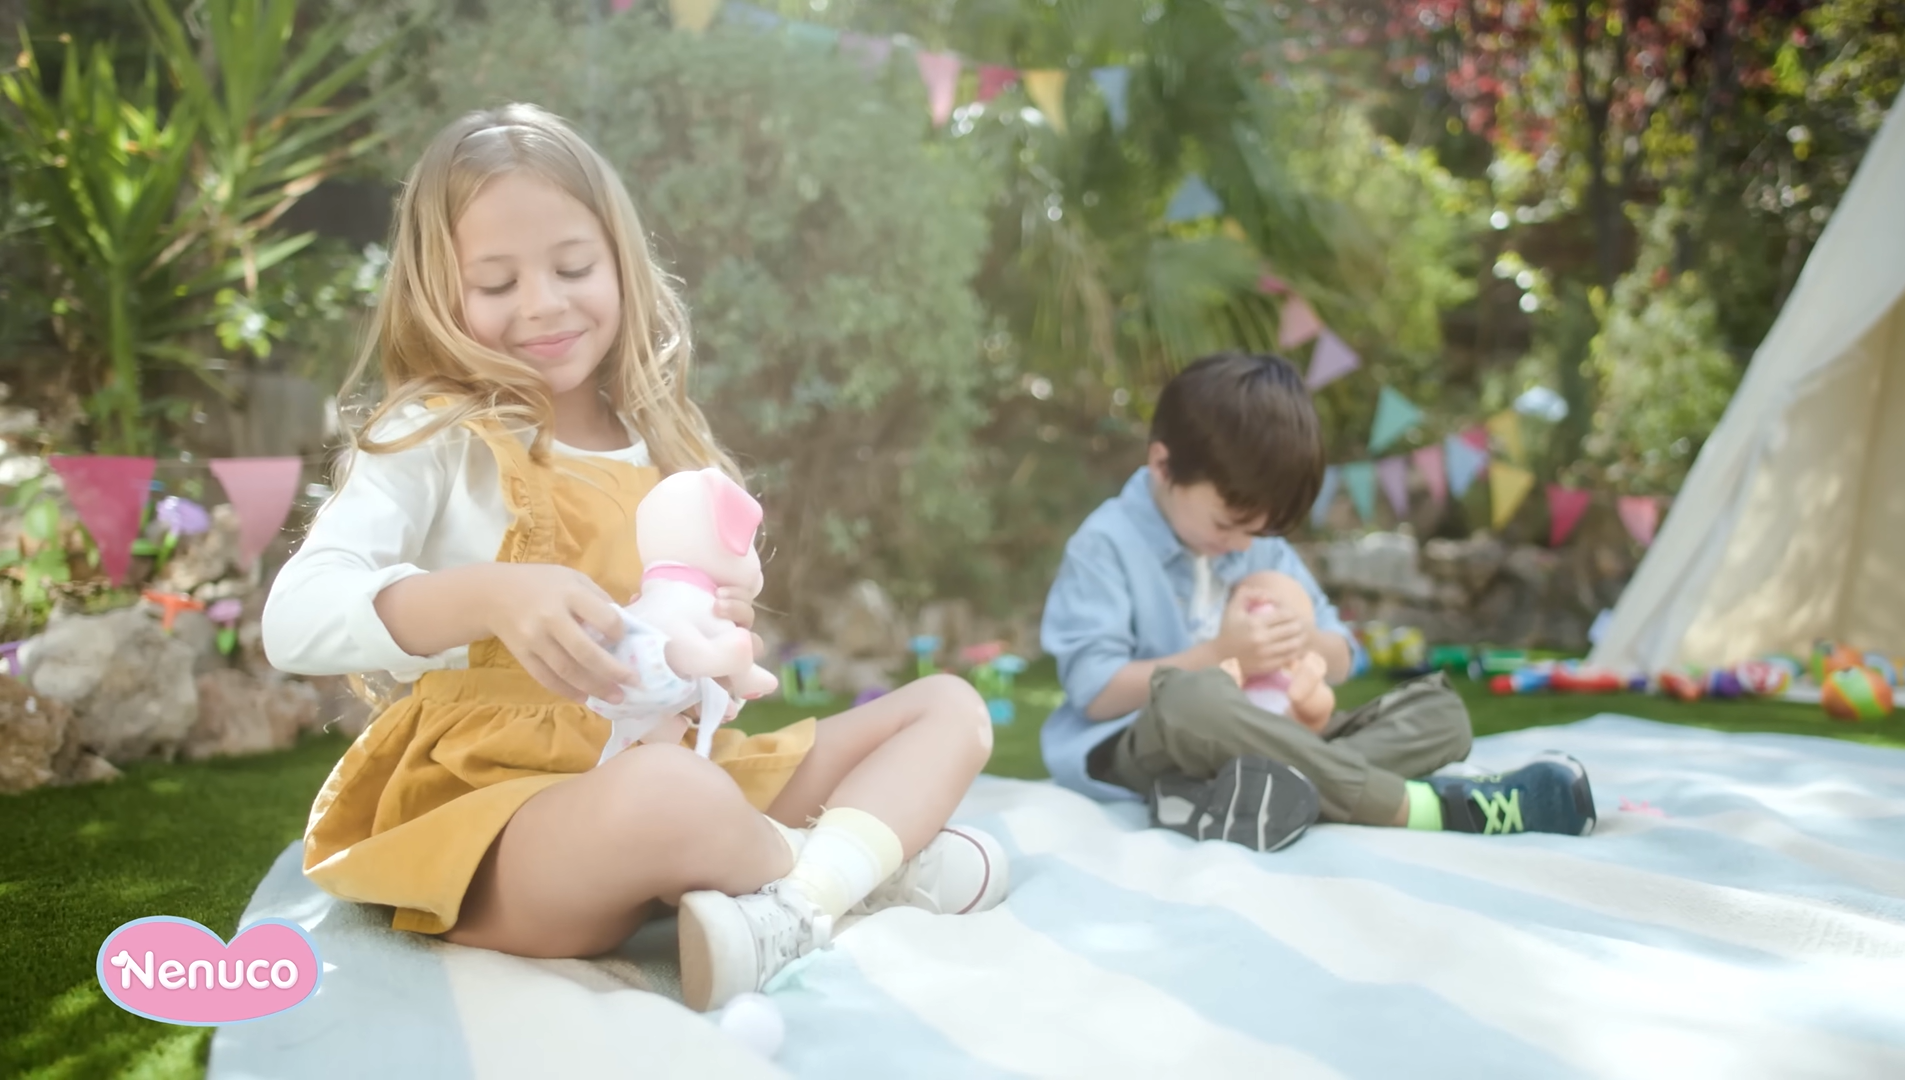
(1198, 720)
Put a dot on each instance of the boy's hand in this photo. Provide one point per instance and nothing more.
(1261, 641)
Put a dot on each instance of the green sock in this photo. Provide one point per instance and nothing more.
(1425, 806)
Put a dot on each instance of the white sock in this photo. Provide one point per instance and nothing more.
(796, 838)
(848, 853)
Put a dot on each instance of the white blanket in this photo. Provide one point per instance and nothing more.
(1743, 917)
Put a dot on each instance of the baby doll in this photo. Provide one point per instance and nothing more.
(695, 532)
(1302, 690)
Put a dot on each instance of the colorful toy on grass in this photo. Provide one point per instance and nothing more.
(1393, 648)
(800, 681)
(871, 693)
(991, 671)
(1856, 693)
(224, 614)
(924, 648)
(1581, 679)
(1685, 685)
(1531, 679)
(1763, 678)
(1724, 683)
(1883, 665)
(10, 652)
(1451, 658)
(1828, 657)
(169, 605)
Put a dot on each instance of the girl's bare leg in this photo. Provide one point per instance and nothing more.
(575, 868)
(906, 758)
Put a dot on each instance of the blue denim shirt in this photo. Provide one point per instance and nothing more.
(1123, 593)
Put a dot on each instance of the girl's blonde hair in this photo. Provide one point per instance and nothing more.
(418, 337)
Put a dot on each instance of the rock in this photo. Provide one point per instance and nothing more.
(1383, 562)
(198, 633)
(1470, 563)
(1532, 565)
(32, 731)
(951, 621)
(205, 558)
(91, 769)
(128, 683)
(238, 713)
(864, 623)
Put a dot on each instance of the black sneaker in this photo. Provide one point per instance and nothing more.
(1549, 794)
(1253, 801)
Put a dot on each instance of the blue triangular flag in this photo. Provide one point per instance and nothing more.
(1194, 199)
(1113, 82)
(1360, 478)
(1463, 462)
(751, 16)
(1395, 415)
(1320, 510)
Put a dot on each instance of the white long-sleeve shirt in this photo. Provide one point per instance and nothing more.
(434, 506)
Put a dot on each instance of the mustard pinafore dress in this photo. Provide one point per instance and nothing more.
(414, 804)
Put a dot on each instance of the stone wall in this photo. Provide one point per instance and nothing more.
(1481, 590)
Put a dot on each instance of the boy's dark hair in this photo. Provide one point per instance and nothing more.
(1244, 422)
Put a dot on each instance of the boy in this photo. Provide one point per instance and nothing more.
(1146, 613)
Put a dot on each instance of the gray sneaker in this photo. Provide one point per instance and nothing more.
(1261, 804)
(733, 944)
(961, 871)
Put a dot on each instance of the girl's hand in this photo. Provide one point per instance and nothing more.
(538, 611)
(729, 604)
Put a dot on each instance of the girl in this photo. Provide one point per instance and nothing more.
(535, 366)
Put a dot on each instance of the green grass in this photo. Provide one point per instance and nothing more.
(194, 839)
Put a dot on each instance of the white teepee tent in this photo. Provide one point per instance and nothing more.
(1791, 526)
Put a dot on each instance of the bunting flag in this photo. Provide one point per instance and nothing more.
(993, 80)
(1271, 285)
(621, 5)
(1508, 485)
(1565, 507)
(1298, 324)
(940, 73)
(1395, 416)
(1641, 515)
(261, 490)
(108, 494)
(872, 52)
(1194, 199)
(1393, 473)
(1320, 510)
(1047, 90)
(1505, 426)
(1428, 462)
(825, 37)
(690, 15)
(1329, 361)
(1476, 437)
(1464, 461)
(1360, 478)
(1114, 83)
(745, 14)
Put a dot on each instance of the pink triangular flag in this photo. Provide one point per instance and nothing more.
(1272, 285)
(1641, 515)
(108, 493)
(940, 73)
(1393, 474)
(1298, 324)
(1477, 437)
(1429, 466)
(1330, 361)
(1565, 507)
(994, 79)
(261, 490)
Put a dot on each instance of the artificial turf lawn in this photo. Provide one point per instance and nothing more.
(193, 840)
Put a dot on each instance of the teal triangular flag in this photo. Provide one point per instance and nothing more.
(1320, 510)
(1194, 199)
(1113, 82)
(1395, 415)
(1360, 478)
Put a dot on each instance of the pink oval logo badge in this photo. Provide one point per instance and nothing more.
(178, 972)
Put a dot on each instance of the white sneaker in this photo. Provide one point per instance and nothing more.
(734, 944)
(958, 872)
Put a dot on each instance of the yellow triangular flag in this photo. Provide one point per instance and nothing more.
(693, 15)
(1505, 426)
(1233, 229)
(1047, 90)
(1508, 485)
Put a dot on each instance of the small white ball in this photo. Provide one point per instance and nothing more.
(756, 1022)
